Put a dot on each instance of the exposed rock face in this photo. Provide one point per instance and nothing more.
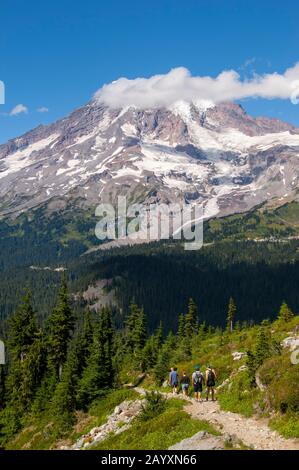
(200, 441)
(217, 156)
(237, 356)
(292, 343)
(118, 422)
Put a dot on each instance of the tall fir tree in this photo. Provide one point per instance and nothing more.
(251, 367)
(22, 329)
(136, 329)
(63, 402)
(151, 349)
(162, 366)
(263, 344)
(60, 328)
(159, 335)
(27, 356)
(85, 338)
(181, 327)
(98, 375)
(285, 313)
(191, 320)
(231, 314)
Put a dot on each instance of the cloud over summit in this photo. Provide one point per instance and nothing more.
(179, 84)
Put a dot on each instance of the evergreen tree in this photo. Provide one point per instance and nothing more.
(22, 329)
(191, 320)
(60, 328)
(85, 339)
(181, 327)
(151, 349)
(159, 336)
(136, 328)
(27, 356)
(32, 369)
(202, 330)
(263, 344)
(98, 375)
(163, 362)
(231, 314)
(63, 403)
(251, 367)
(285, 313)
(149, 354)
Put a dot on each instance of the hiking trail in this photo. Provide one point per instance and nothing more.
(252, 432)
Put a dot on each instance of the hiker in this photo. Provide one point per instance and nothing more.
(174, 379)
(210, 381)
(185, 383)
(197, 381)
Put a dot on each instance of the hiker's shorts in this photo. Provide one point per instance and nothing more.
(185, 386)
(197, 388)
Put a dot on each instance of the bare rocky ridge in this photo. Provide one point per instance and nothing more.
(217, 156)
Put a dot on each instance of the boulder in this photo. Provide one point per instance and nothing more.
(238, 355)
(292, 343)
(200, 441)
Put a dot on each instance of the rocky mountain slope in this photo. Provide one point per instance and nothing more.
(217, 156)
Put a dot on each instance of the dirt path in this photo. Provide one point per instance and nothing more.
(253, 432)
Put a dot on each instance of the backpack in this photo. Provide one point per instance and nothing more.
(211, 379)
(197, 378)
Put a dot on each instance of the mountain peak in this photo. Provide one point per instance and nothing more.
(216, 155)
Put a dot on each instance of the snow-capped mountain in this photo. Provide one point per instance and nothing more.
(216, 155)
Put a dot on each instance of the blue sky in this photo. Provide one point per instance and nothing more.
(56, 54)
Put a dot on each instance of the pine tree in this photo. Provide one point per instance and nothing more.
(149, 354)
(22, 329)
(251, 367)
(27, 356)
(136, 328)
(152, 348)
(60, 328)
(63, 403)
(285, 313)
(263, 345)
(32, 370)
(163, 362)
(202, 330)
(181, 327)
(85, 339)
(158, 335)
(191, 320)
(98, 374)
(231, 314)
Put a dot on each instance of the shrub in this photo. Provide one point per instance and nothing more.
(282, 380)
(154, 406)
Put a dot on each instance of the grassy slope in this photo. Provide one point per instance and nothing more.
(41, 433)
(258, 223)
(159, 432)
(277, 373)
(281, 397)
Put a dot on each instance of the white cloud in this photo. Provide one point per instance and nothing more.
(179, 84)
(18, 109)
(42, 109)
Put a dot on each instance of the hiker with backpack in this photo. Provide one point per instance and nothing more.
(210, 382)
(174, 380)
(185, 383)
(197, 381)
